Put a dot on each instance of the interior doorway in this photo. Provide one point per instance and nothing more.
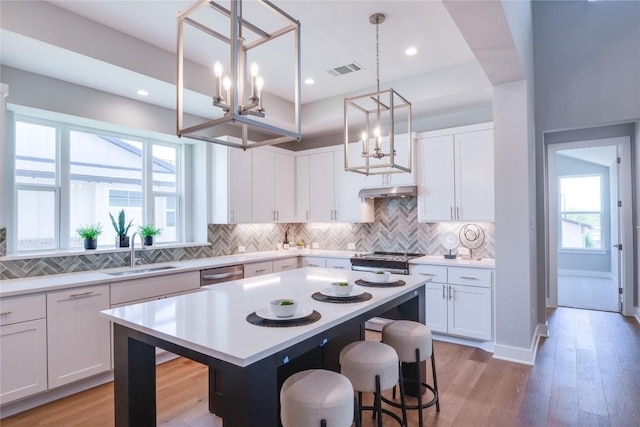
(589, 209)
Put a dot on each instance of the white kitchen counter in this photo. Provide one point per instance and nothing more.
(213, 322)
(54, 282)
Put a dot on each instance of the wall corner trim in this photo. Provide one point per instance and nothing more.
(525, 356)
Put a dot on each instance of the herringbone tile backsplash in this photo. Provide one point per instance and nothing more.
(396, 228)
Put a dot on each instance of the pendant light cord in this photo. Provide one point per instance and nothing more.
(378, 55)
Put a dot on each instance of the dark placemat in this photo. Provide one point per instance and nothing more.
(254, 319)
(341, 300)
(397, 283)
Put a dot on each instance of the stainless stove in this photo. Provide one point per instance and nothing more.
(393, 262)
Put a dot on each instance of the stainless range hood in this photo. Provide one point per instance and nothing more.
(382, 192)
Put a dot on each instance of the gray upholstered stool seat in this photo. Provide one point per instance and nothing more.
(309, 397)
(413, 343)
(371, 367)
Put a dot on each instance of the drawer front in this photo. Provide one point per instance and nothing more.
(22, 309)
(310, 261)
(437, 273)
(149, 287)
(471, 276)
(258, 268)
(339, 263)
(285, 264)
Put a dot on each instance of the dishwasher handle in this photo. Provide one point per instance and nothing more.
(212, 276)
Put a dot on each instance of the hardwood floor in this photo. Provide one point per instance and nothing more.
(587, 373)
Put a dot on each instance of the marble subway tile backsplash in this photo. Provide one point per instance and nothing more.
(396, 228)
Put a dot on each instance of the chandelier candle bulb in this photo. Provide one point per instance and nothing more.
(365, 144)
(254, 76)
(226, 82)
(259, 86)
(217, 70)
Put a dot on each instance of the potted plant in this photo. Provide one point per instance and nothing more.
(90, 235)
(148, 231)
(122, 240)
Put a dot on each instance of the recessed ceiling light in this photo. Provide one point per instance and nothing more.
(309, 81)
(142, 92)
(411, 51)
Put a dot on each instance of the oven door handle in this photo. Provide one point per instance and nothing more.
(375, 269)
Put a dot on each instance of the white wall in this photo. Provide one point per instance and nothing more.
(587, 71)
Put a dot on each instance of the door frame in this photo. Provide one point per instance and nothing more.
(625, 224)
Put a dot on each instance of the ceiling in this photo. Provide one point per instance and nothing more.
(442, 76)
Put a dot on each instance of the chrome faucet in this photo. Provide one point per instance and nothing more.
(133, 247)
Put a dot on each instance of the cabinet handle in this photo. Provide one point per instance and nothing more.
(335, 215)
(6, 313)
(451, 213)
(468, 277)
(81, 294)
(427, 274)
(277, 215)
(286, 266)
(261, 270)
(337, 266)
(450, 292)
(457, 212)
(273, 215)
(313, 265)
(444, 294)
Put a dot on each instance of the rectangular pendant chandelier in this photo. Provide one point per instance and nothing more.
(238, 96)
(378, 123)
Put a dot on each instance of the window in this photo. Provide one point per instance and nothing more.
(67, 177)
(581, 212)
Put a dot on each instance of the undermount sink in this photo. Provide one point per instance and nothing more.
(140, 271)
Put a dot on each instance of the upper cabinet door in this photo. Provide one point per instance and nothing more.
(349, 207)
(437, 189)
(401, 158)
(239, 185)
(262, 186)
(321, 178)
(302, 189)
(284, 187)
(475, 194)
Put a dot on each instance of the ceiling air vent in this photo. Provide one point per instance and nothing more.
(345, 69)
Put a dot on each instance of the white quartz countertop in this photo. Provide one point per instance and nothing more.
(54, 282)
(31, 285)
(213, 322)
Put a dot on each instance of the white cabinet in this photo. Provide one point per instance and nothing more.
(348, 206)
(23, 347)
(337, 263)
(321, 187)
(285, 264)
(457, 175)
(312, 261)
(146, 288)
(458, 300)
(332, 192)
(78, 339)
(302, 185)
(401, 158)
(272, 186)
(258, 268)
(231, 188)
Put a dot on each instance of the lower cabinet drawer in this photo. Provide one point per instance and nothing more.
(258, 268)
(21, 309)
(437, 273)
(470, 276)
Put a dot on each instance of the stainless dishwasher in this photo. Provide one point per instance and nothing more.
(211, 276)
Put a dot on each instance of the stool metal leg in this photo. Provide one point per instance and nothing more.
(356, 412)
(420, 422)
(323, 423)
(435, 378)
(378, 401)
(403, 402)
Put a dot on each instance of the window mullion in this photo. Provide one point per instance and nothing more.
(64, 182)
(147, 179)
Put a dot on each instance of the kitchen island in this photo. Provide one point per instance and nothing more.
(247, 363)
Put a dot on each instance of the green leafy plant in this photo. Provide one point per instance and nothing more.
(120, 228)
(90, 232)
(286, 302)
(149, 230)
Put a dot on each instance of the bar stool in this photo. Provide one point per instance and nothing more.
(413, 343)
(372, 367)
(317, 397)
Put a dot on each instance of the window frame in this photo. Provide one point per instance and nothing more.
(62, 185)
(561, 213)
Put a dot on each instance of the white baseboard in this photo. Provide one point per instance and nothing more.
(483, 345)
(526, 356)
(637, 316)
(586, 273)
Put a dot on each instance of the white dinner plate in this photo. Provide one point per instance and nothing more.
(267, 313)
(329, 292)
